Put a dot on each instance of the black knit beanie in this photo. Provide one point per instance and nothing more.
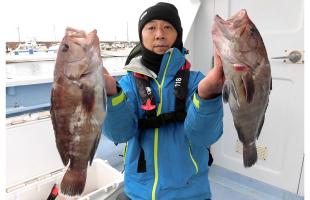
(161, 11)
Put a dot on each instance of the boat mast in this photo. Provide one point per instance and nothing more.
(127, 32)
(18, 33)
(54, 29)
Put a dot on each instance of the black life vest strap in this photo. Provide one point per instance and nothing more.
(210, 161)
(141, 168)
(163, 119)
(181, 89)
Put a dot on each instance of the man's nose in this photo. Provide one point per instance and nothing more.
(159, 34)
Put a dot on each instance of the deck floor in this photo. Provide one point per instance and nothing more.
(225, 184)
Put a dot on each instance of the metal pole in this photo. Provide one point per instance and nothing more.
(18, 33)
(54, 28)
(127, 33)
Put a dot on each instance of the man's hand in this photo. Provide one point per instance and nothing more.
(212, 84)
(110, 83)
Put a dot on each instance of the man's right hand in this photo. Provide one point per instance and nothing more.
(212, 84)
(110, 83)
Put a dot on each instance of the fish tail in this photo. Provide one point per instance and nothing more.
(73, 182)
(249, 155)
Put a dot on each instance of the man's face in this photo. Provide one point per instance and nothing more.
(158, 36)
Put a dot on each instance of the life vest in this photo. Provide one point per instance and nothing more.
(148, 100)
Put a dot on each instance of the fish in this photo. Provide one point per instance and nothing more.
(248, 80)
(78, 105)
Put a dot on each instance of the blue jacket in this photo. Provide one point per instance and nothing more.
(176, 154)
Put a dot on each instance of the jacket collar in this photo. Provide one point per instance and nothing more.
(136, 65)
(176, 61)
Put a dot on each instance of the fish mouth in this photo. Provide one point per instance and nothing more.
(234, 26)
(218, 19)
(235, 20)
(219, 27)
(239, 17)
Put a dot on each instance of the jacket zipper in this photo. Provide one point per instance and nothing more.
(157, 129)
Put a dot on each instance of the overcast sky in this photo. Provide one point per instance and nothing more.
(46, 20)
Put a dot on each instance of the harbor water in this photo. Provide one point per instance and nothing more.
(20, 70)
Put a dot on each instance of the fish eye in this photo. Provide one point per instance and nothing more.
(84, 75)
(252, 30)
(65, 48)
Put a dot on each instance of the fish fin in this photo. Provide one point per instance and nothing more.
(93, 151)
(104, 102)
(64, 156)
(260, 126)
(63, 152)
(249, 87)
(73, 182)
(52, 110)
(249, 149)
(239, 132)
(234, 92)
(262, 122)
(229, 87)
(62, 148)
(249, 154)
(88, 98)
(226, 90)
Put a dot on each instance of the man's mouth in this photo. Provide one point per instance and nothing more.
(161, 46)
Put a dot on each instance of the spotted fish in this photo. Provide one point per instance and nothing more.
(247, 77)
(78, 105)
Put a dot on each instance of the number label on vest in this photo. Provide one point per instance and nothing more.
(178, 82)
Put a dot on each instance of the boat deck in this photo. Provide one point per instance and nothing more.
(225, 184)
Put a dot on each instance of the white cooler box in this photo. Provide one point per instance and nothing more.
(34, 165)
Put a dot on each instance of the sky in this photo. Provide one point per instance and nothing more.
(47, 20)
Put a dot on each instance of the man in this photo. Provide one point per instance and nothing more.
(168, 115)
